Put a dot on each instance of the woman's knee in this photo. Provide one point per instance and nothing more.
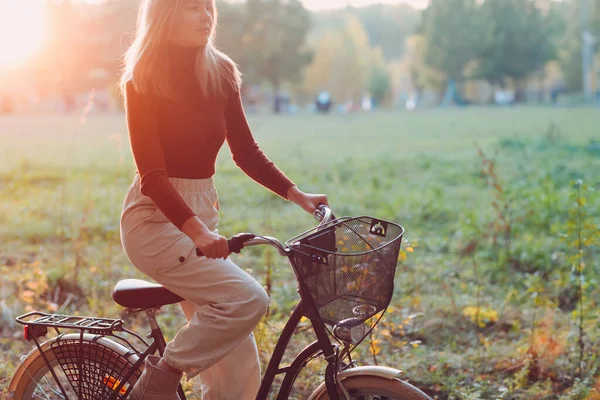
(253, 301)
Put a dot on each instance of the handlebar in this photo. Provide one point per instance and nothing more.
(323, 214)
(237, 242)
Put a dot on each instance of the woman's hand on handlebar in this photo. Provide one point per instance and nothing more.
(212, 245)
(307, 201)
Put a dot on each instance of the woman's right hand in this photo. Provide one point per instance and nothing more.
(212, 245)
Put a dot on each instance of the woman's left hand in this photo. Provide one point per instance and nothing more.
(308, 202)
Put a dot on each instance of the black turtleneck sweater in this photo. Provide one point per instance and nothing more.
(182, 139)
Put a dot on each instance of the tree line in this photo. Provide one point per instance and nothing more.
(349, 52)
(505, 41)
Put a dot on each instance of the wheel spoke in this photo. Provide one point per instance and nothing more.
(46, 385)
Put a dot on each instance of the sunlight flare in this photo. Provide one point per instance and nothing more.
(22, 28)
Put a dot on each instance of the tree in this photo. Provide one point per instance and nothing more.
(232, 39)
(320, 74)
(421, 75)
(380, 84)
(274, 37)
(570, 54)
(451, 37)
(595, 20)
(517, 39)
(346, 65)
(387, 26)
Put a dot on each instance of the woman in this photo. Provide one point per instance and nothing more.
(182, 99)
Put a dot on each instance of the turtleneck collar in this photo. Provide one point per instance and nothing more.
(181, 61)
(183, 55)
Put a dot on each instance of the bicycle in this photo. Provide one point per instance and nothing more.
(345, 270)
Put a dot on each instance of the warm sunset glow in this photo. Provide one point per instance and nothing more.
(22, 28)
(329, 4)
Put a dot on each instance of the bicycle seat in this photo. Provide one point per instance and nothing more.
(136, 293)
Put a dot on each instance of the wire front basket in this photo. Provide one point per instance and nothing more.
(93, 370)
(346, 267)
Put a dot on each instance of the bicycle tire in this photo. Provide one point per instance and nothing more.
(380, 388)
(34, 368)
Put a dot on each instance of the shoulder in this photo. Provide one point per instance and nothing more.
(230, 72)
(225, 62)
(136, 96)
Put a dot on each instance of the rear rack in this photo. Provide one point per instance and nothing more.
(101, 326)
(72, 354)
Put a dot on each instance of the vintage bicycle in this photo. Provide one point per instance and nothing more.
(345, 271)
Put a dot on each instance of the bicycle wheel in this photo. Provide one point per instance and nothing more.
(378, 388)
(93, 377)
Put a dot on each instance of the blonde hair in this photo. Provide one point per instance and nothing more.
(146, 66)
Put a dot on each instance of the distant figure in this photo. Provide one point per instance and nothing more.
(323, 102)
(183, 102)
(367, 103)
(504, 97)
(281, 103)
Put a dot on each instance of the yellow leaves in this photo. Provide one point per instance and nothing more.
(27, 296)
(480, 316)
(402, 256)
(415, 301)
(594, 395)
(375, 347)
(395, 334)
(484, 341)
(597, 386)
(387, 334)
(408, 248)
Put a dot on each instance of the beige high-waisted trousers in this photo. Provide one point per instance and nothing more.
(223, 302)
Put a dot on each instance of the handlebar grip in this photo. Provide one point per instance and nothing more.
(323, 214)
(235, 243)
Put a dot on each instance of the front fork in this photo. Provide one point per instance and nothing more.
(331, 381)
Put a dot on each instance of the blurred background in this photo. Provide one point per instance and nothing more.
(473, 123)
(400, 55)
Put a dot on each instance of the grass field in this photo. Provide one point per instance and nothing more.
(487, 302)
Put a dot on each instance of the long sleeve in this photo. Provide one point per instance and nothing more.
(149, 158)
(247, 154)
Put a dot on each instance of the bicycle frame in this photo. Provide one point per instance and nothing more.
(321, 345)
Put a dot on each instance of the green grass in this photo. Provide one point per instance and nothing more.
(63, 180)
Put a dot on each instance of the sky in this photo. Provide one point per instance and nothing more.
(21, 29)
(329, 4)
